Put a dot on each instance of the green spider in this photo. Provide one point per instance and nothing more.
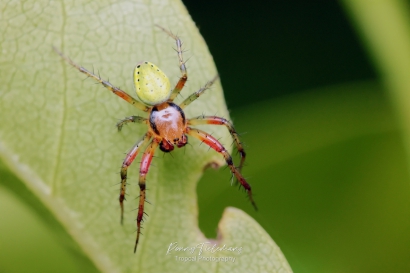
(167, 125)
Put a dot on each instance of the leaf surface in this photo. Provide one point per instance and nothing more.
(58, 131)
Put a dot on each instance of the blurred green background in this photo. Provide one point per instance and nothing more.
(326, 156)
(325, 152)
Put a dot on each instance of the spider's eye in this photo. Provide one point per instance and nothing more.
(151, 84)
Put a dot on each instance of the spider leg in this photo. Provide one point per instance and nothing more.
(120, 93)
(217, 146)
(126, 163)
(182, 67)
(214, 120)
(144, 167)
(135, 119)
(198, 93)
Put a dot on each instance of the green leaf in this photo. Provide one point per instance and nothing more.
(58, 133)
(384, 27)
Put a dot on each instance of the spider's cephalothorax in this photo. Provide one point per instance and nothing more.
(167, 125)
(167, 121)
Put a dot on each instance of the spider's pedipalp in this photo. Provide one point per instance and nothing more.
(215, 120)
(135, 119)
(117, 91)
(126, 163)
(144, 167)
(217, 146)
(198, 93)
(184, 74)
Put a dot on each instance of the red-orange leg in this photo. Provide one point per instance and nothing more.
(120, 93)
(182, 67)
(198, 93)
(214, 120)
(145, 164)
(126, 163)
(217, 146)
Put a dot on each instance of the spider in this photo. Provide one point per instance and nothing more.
(167, 125)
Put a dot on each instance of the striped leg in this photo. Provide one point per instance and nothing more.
(214, 120)
(120, 93)
(214, 144)
(135, 119)
(126, 163)
(182, 67)
(198, 93)
(145, 164)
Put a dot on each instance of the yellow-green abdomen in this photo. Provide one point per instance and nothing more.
(151, 84)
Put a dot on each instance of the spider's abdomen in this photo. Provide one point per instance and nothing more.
(151, 84)
(168, 121)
